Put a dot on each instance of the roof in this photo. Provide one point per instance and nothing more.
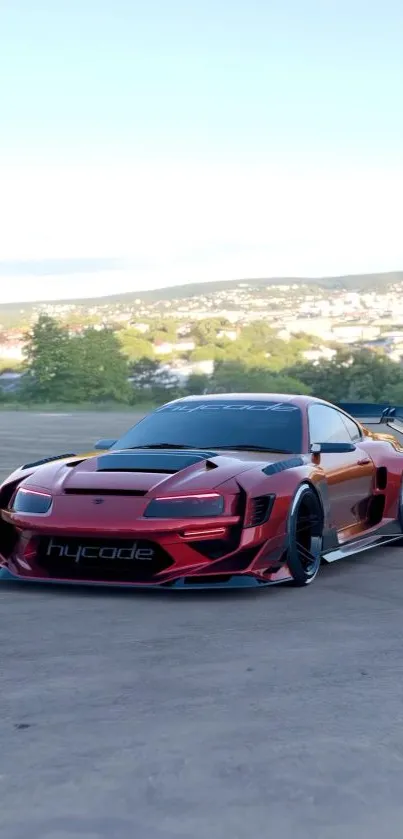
(302, 400)
(257, 397)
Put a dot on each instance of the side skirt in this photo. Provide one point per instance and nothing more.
(384, 535)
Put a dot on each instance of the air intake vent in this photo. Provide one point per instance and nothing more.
(259, 510)
(381, 477)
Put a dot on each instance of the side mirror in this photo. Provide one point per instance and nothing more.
(332, 448)
(104, 445)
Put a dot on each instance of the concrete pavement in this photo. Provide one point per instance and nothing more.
(276, 713)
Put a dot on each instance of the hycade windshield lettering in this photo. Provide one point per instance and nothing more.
(192, 407)
(210, 424)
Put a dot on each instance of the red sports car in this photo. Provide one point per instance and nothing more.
(234, 489)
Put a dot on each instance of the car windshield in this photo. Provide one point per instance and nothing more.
(211, 424)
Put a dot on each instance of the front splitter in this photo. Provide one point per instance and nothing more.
(236, 581)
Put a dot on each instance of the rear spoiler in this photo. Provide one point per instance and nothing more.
(374, 413)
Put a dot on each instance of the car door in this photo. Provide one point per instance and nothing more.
(350, 475)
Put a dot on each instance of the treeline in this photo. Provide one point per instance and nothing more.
(93, 367)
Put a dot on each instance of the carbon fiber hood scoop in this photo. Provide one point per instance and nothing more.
(152, 460)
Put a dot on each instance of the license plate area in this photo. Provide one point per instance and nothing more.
(101, 559)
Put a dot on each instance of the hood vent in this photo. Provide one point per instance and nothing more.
(153, 460)
(46, 460)
(100, 492)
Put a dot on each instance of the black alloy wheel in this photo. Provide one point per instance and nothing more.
(305, 536)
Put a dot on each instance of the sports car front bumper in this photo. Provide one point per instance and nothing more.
(234, 581)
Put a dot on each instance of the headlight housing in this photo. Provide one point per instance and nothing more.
(205, 505)
(31, 501)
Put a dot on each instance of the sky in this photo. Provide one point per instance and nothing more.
(179, 141)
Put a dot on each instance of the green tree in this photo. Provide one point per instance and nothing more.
(101, 368)
(205, 331)
(258, 345)
(198, 383)
(49, 358)
(206, 352)
(165, 330)
(359, 375)
(152, 381)
(135, 346)
(259, 334)
(233, 376)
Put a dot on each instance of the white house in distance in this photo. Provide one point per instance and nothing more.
(168, 347)
(182, 371)
(320, 354)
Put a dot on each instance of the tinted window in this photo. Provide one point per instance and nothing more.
(352, 428)
(326, 425)
(223, 423)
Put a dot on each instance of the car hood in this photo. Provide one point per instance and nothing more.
(145, 471)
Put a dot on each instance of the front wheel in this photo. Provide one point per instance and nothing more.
(305, 535)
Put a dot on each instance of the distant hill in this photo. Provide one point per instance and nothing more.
(350, 282)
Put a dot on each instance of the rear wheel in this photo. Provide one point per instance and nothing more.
(305, 534)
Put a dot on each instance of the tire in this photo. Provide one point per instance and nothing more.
(305, 536)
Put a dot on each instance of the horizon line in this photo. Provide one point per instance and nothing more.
(200, 283)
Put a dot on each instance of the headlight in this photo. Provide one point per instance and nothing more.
(186, 506)
(31, 501)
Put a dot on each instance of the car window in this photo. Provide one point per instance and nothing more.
(211, 424)
(326, 425)
(352, 428)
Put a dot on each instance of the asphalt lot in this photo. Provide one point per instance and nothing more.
(207, 716)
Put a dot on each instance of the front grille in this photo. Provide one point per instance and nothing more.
(238, 561)
(112, 560)
(213, 548)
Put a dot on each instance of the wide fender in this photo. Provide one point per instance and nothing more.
(11, 482)
(280, 478)
(284, 480)
(27, 470)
